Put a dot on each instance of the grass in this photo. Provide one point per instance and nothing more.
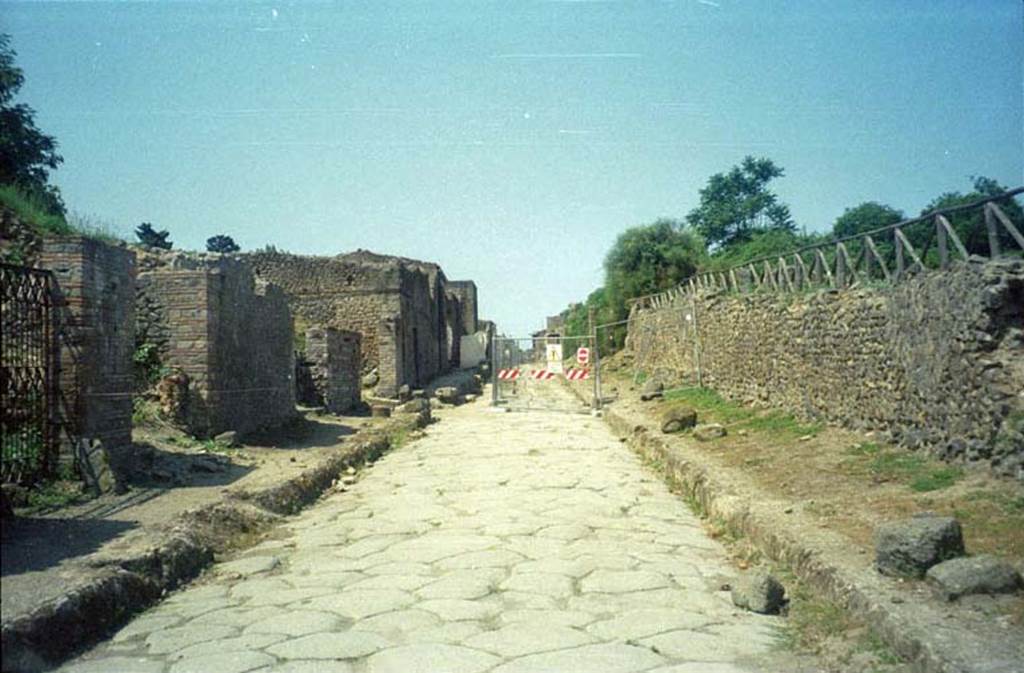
(33, 212)
(714, 406)
(918, 472)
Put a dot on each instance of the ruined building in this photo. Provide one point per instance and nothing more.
(409, 316)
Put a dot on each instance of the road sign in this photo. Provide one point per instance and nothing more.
(583, 355)
(554, 358)
(577, 374)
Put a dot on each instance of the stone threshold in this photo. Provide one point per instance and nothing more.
(915, 627)
(121, 585)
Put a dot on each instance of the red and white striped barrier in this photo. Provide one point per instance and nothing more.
(508, 374)
(542, 375)
(577, 374)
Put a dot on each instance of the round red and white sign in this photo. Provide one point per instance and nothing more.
(583, 355)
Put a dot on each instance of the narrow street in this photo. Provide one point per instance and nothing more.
(505, 542)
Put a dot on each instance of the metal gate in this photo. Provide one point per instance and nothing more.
(28, 374)
(526, 375)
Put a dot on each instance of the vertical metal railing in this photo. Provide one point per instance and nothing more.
(28, 374)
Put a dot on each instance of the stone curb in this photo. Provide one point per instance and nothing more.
(914, 629)
(129, 584)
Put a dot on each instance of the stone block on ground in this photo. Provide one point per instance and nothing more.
(448, 395)
(419, 394)
(982, 574)
(414, 406)
(709, 431)
(758, 591)
(677, 419)
(404, 393)
(910, 547)
(470, 398)
(380, 411)
(371, 379)
(652, 390)
(229, 438)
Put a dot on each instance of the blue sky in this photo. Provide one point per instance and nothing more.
(509, 141)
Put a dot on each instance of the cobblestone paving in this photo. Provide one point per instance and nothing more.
(511, 543)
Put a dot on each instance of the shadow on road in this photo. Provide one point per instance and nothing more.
(33, 544)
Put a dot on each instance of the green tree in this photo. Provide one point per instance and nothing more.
(770, 243)
(970, 224)
(648, 259)
(733, 205)
(27, 155)
(865, 217)
(151, 238)
(221, 243)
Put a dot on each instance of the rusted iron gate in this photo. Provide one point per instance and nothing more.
(884, 255)
(28, 374)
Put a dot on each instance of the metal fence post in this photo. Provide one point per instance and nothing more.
(494, 370)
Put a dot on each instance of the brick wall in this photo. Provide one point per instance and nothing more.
(96, 308)
(229, 333)
(936, 362)
(334, 357)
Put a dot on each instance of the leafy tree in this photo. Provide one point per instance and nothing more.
(772, 242)
(151, 238)
(970, 225)
(865, 217)
(648, 259)
(221, 243)
(27, 155)
(735, 204)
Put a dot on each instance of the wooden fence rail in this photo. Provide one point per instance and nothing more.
(884, 255)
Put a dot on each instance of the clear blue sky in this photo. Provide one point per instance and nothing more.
(510, 141)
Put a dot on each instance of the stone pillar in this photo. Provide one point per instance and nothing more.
(389, 356)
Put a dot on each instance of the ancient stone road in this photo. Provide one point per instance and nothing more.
(510, 543)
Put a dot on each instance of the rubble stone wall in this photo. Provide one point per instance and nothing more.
(465, 292)
(398, 306)
(937, 361)
(336, 370)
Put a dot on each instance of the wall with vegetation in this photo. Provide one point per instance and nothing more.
(937, 362)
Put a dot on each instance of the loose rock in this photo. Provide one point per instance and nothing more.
(380, 411)
(371, 379)
(759, 591)
(982, 574)
(652, 390)
(448, 395)
(678, 418)
(709, 431)
(229, 438)
(909, 548)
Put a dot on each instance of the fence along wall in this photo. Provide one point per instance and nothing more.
(936, 361)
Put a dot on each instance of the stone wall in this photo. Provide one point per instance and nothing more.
(228, 333)
(95, 285)
(334, 357)
(465, 292)
(401, 308)
(937, 362)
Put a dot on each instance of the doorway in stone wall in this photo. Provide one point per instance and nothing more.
(416, 356)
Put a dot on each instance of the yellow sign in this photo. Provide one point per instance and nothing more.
(554, 353)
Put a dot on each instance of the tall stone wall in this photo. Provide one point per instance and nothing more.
(937, 361)
(334, 356)
(228, 333)
(400, 307)
(465, 292)
(96, 308)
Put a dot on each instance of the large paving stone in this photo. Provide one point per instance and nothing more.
(120, 664)
(606, 658)
(636, 624)
(545, 584)
(982, 574)
(454, 609)
(250, 565)
(227, 662)
(520, 639)
(343, 645)
(436, 658)
(608, 581)
(172, 640)
(296, 623)
(360, 603)
(242, 643)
